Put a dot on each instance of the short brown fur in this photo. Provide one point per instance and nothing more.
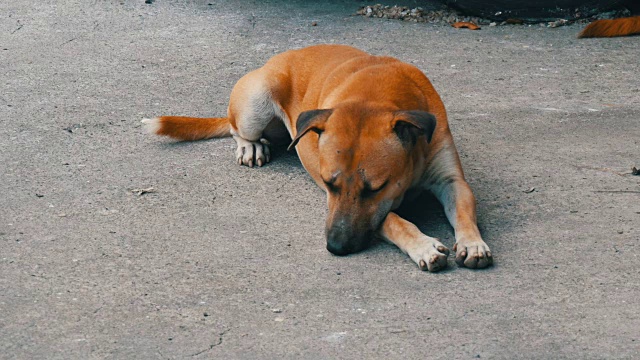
(612, 28)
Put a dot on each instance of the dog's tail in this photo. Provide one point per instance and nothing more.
(611, 28)
(188, 128)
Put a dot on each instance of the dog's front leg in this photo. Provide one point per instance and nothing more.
(460, 206)
(425, 251)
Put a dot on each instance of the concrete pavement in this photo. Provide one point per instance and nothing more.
(227, 262)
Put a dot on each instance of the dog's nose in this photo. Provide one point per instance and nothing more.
(338, 248)
(340, 237)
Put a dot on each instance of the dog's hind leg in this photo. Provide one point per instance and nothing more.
(251, 110)
(427, 252)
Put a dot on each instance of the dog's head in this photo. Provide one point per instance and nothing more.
(366, 164)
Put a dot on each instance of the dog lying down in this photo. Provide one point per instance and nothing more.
(367, 129)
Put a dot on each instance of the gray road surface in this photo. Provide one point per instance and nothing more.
(227, 262)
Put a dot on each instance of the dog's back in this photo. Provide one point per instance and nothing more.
(612, 28)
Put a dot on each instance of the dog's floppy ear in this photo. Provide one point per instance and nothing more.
(410, 125)
(312, 120)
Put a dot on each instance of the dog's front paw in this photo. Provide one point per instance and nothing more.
(430, 255)
(251, 153)
(473, 254)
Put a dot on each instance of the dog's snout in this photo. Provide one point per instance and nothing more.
(339, 249)
(338, 238)
(343, 240)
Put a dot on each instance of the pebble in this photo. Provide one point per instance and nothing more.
(558, 23)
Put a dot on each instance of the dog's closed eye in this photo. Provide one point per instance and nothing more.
(331, 183)
(330, 186)
(369, 190)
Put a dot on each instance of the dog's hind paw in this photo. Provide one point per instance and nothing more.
(252, 153)
(431, 255)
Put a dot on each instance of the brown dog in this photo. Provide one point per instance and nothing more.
(612, 27)
(367, 129)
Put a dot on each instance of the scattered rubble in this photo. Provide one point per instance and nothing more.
(558, 23)
(418, 14)
(452, 17)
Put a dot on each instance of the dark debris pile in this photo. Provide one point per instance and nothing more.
(447, 16)
(418, 14)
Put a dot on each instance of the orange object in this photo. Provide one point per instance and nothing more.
(189, 128)
(465, 24)
(611, 28)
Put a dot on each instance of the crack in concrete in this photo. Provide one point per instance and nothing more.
(220, 337)
(20, 25)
